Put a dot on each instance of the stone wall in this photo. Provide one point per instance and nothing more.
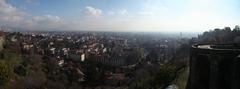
(215, 67)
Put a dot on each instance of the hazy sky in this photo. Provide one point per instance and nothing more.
(120, 15)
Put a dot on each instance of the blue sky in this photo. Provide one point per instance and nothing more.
(120, 15)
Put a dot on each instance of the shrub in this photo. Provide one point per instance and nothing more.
(166, 75)
(6, 72)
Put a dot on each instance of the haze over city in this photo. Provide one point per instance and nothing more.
(119, 15)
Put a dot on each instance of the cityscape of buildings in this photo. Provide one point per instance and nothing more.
(114, 55)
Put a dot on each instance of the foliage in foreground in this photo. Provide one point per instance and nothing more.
(6, 72)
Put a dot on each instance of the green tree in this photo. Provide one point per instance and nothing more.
(22, 70)
(142, 80)
(6, 72)
(50, 66)
(94, 75)
(137, 55)
(236, 29)
(165, 75)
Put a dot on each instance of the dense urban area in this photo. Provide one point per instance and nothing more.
(100, 60)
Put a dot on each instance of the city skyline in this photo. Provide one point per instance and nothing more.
(124, 15)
